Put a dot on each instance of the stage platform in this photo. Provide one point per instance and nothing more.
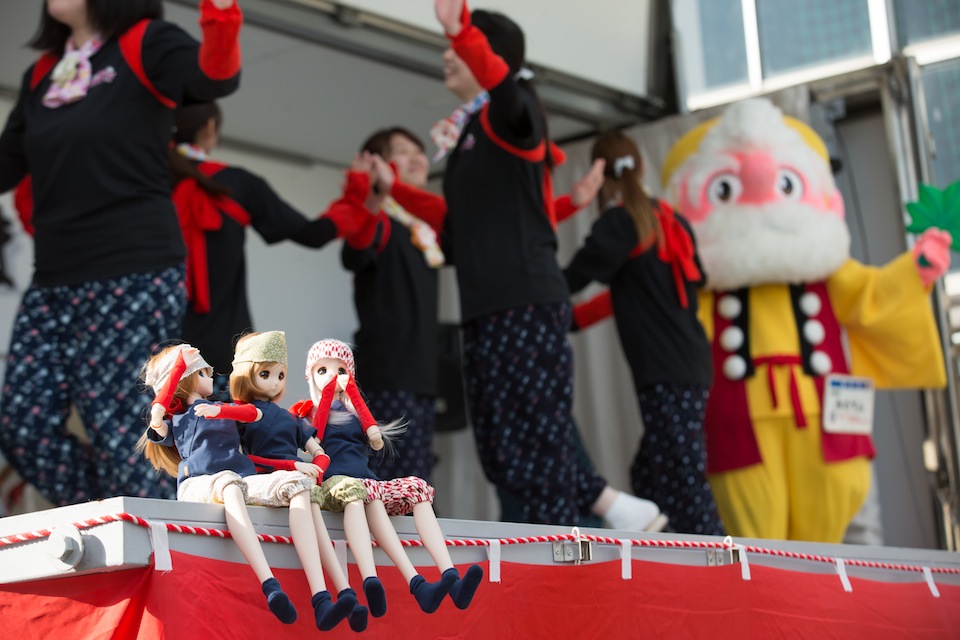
(136, 568)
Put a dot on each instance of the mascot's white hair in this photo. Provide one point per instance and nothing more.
(750, 244)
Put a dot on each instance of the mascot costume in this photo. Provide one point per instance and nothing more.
(795, 324)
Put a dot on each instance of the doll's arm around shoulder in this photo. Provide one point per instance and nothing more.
(238, 412)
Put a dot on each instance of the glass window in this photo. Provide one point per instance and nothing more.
(941, 89)
(925, 20)
(713, 46)
(795, 35)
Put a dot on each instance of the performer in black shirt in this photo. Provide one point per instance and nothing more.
(92, 126)
(514, 301)
(395, 293)
(647, 254)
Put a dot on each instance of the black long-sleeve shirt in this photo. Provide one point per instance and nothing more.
(100, 171)
(395, 294)
(500, 235)
(662, 340)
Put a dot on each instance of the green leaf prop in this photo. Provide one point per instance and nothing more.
(937, 209)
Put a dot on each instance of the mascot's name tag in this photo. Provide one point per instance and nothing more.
(848, 405)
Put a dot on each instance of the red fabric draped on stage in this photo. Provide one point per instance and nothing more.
(204, 598)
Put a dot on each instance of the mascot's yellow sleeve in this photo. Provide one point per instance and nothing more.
(887, 315)
(705, 311)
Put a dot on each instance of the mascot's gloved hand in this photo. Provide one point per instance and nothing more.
(932, 254)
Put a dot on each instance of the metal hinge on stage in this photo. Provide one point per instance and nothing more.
(720, 557)
(573, 551)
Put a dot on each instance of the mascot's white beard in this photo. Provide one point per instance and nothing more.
(747, 245)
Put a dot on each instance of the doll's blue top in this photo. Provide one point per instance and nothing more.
(206, 445)
(279, 434)
(346, 444)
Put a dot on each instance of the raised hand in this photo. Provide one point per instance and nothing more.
(157, 412)
(223, 4)
(382, 174)
(585, 189)
(375, 437)
(191, 355)
(449, 13)
(932, 254)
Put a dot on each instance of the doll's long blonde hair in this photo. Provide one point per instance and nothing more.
(165, 459)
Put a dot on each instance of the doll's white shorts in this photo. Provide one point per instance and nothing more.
(264, 490)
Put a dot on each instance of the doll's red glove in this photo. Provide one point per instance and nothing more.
(302, 409)
(165, 395)
(322, 460)
(238, 412)
(269, 465)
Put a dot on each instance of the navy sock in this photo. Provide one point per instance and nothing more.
(462, 591)
(429, 595)
(358, 615)
(329, 615)
(278, 601)
(376, 596)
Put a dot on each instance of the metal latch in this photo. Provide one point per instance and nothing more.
(576, 551)
(721, 557)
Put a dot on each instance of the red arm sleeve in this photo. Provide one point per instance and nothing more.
(564, 208)
(269, 465)
(23, 203)
(488, 68)
(349, 214)
(220, 45)
(238, 412)
(165, 395)
(322, 460)
(593, 310)
(363, 413)
(427, 206)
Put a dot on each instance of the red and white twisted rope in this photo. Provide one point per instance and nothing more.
(483, 542)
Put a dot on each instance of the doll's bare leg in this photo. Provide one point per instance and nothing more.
(304, 534)
(425, 520)
(357, 530)
(328, 557)
(241, 529)
(429, 595)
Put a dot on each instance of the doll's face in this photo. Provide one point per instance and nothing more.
(271, 381)
(205, 383)
(326, 369)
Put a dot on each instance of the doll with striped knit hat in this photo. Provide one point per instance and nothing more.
(347, 430)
